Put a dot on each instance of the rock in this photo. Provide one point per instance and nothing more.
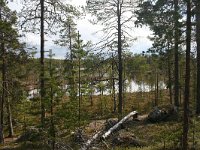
(31, 134)
(110, 123)
(127, 139)
(164, 113)
(156, 115)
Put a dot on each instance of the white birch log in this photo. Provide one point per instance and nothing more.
(105, 135)
(88, 143)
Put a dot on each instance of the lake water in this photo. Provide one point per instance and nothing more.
(130, 87)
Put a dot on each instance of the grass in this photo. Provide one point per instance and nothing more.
(157, 136)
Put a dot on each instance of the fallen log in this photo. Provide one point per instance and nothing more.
(105, 135)
(90, 141)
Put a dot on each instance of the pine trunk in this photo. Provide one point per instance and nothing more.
(113, 87)
(176, 69)
(10, 125)
(187, 79)
(156, 89)
(198, 55)
(3, 98)
(79, 84)
(52, 130)
(42, 88)
(120, 67)
(169, 75)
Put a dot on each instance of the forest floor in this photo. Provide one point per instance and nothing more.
(152, 136)
(139, 134)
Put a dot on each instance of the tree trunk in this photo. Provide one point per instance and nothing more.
(10, 125)
(3, 92)
(114, 97)
(156, 89)
(90, 141)
(71, 77)
(105, 135)
(42, 87)
(176, 70)
(52, 129)
(124, 85)
(70, 43)
(187, 78)
(198, 55)
(79, 85)
(169, 75)
(120, 67)
(3, 87)
(113, 87)
(133, 113)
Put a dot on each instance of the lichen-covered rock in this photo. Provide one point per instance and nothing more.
(164, 113)
(32, 134)
(110, 123)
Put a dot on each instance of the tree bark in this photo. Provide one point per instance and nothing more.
(3, 90)
(197, 10)
(90, 141)
(156, 89)
(169, 75)
(113, 86)
(105, 135)
(3, 98)
(10, 125)
(52, 132)
(42, 82)
(187, 78)
(176, 69)
(120, 67)
(79, 84)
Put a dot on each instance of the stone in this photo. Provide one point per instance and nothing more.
(31, 134)
(164, 113)
(110, 123)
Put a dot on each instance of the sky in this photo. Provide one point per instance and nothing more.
(87, 31)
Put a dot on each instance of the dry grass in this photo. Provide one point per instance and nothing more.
(158, 135)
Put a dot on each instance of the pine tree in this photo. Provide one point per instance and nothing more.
(50, 14)
(187, 78)
(197, 12)
(113, 15)
(9, 45)
(163, 19)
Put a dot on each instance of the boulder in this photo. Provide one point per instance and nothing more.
(164, 113)
(110, 123)
(32, 134)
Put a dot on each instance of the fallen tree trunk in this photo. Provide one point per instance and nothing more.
(90, 141)
(105, 135)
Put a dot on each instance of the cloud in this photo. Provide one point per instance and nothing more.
(87, 31)
(141, 44)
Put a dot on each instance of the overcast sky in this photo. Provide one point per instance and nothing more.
(87, 31)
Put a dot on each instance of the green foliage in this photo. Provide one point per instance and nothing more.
(68, 115)
(92, 70)
(58, 13)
